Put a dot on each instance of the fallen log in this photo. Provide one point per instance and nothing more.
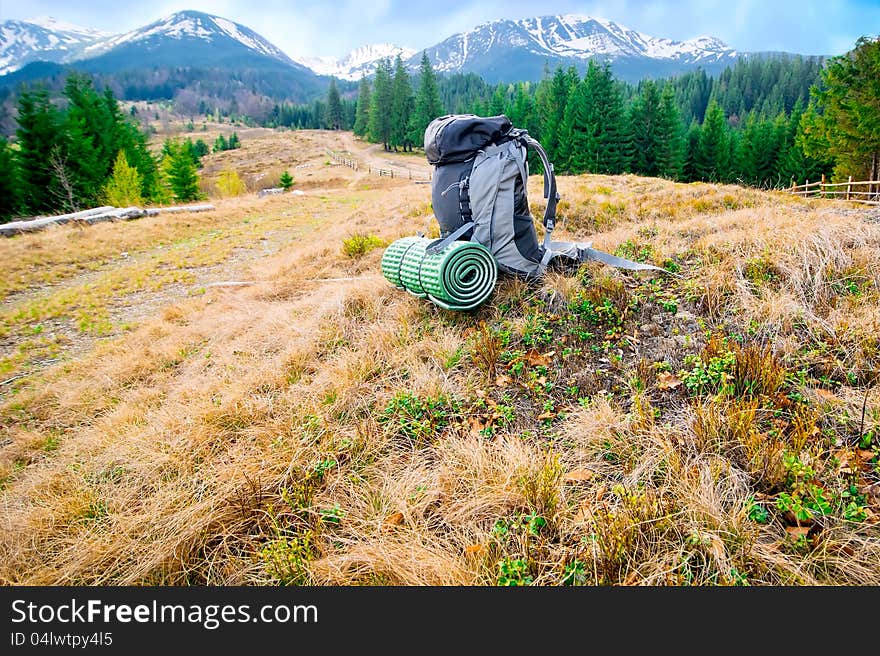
(95, 215)
(179, 208)
(273, 191)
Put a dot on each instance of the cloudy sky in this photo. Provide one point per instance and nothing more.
(333, 27)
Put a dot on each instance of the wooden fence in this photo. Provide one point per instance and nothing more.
(342, 158)
(867, 191)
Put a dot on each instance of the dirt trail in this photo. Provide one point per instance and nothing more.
(374, 156)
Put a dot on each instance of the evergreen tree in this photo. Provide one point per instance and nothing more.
(362, 117)
(123, 189)
(234, 141)
(578, 134)
(220, 144)
(335, 114)
(427, 105)
(812, 152)
(757, 151)
(713, 153)
(8, 182)
(37, 136)
(595, 128)
(551, 102)
(692, 150)
(850, 103)
(200, 149)
(498, 101)
(669, 136)
(286, 181)
(87, 134)
(379, 125)
(182, 175)
(128, 137)
(644, 118)
(401, 106)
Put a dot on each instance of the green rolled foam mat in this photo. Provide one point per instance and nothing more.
(460, 277)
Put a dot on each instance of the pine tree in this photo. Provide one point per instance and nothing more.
(813, 154)
(595, 131)
(88, 135)
(200, 149)
(427, 105)
(234, 141)
(362, 117)
(220, 144)
(401, 106)
(850, 103)
(757, 152)
(669, 136)
(182, 176)
(692, 152)
(713, 153)
(127, 136)
(8, 182)
(644, 118)
(123, 189)
(498, 101)
(37, 137)
(379, 126)
(335, 114)
(578, 134)
(286, 181)
(551, 100)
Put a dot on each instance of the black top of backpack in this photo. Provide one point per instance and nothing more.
(458, 137)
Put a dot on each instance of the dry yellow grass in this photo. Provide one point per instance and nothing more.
(320, 427)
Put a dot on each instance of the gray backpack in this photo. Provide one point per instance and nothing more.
(479, 194)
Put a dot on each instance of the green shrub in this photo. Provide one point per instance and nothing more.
(360, 244)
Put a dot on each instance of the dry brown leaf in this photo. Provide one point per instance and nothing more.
(503, 380)
(582, 513)
(475, 549)
(797, 531)
(578, 476)
(395, 519)
(535, 359)
(667, 380)
(792, 519)
(824, 394)
(476, 424)
(546, 415)
(600, 492)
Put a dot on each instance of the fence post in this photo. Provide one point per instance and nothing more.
(822, 187)
(392, 173)
(792, 185)
(806, 187)
(848, 187)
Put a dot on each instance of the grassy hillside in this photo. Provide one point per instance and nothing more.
(318, 426)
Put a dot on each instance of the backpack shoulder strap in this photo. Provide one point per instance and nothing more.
(550, 193)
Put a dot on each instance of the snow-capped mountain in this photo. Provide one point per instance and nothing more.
(208, 55)
(189, 34)
(43, 39)
(519, 49)
(357, 63)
